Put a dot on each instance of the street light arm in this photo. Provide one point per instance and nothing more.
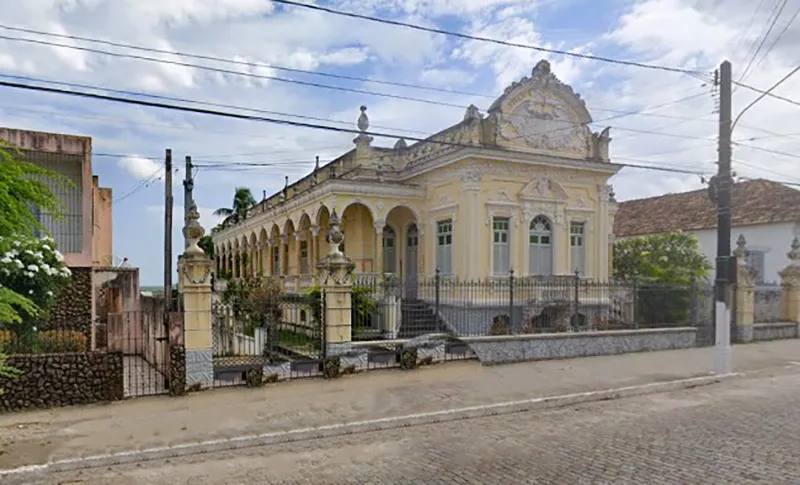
(763, 95)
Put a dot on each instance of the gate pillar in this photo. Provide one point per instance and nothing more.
(744, 292)
(194, 276)
(337, 293)
(790, 287)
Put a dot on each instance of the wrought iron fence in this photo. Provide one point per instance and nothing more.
(285, 339)
(513, 305)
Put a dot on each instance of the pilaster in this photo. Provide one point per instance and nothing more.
(790, 286)
(744, 293)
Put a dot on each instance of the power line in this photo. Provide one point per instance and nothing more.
(314, 118)
(146, 182)
(779, 8)
(272, 120)
(243, 63)
(484, 39)
(777, 39)
(234, 73)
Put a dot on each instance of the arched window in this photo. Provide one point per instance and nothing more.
(389, 250)
(541, 246)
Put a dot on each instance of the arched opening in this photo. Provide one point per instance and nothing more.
(275, 250)
(400, 220)
(290, 244)
(541, 246)
(359, 242)
(305, 242)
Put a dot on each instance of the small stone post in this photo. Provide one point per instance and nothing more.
(195, 283)
(790, 287)
(744, 293)
(337, 290)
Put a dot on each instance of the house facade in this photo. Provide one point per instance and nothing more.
(766, 213)
(84, 233)
(523, 187)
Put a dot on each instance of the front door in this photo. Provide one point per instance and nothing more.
(411, 260)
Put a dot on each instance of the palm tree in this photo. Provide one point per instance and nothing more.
(243, 200)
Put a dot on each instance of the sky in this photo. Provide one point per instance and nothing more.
(675, 125)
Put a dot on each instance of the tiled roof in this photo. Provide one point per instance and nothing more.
(754, 202)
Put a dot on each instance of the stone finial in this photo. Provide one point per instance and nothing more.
(741, 247)
(363, 140)
(401, 144)
(335, 235)
(794, 253)
(542, 68)
(363, 120)
(472, 113)
(316, 164)
(193, 231)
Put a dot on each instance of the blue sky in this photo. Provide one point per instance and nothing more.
(682, 33)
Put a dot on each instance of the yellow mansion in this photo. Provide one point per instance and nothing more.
(523, 187)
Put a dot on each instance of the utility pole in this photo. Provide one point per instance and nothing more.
(722, 191)
(188, 187)
(168, 232)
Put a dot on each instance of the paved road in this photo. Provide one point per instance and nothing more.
(744, 431)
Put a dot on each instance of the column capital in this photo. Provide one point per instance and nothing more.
(314, 230)
(379, 225)
(284, 238)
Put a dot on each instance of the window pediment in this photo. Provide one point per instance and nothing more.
(543, 189)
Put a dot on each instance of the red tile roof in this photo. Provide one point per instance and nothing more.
(754, 202)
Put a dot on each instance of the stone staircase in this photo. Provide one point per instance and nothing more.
(417, 318)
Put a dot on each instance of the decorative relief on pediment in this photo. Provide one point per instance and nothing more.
(543, 187)
(542, 113)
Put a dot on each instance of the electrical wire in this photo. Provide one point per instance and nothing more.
(244, 63)
(146, 182)
(777, 39)
(779, 7)
(484, 39)
(271, 120)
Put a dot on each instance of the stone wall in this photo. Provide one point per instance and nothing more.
(518, 348)
(767, 303)
(53, 380)
(73, 310)
(775, 331)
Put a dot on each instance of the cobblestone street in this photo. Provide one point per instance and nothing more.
(742, 431)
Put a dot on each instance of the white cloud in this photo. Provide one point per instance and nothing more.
(446, 77)
(139, 167)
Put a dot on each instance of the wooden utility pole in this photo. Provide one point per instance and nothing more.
(168, 232)
(188, 187)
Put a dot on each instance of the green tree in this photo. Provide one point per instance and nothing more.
(662, 267)
(243, 200)
(207, 245)
(22, 187)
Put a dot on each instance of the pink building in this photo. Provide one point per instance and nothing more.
(86, 222)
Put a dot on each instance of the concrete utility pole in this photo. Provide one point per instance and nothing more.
(722, 191)
(168, 232)
(188, 187)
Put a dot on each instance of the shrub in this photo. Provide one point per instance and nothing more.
(33, 268)
(500, 326)
(47, 342)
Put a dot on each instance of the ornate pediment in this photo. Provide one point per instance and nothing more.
(543, 188)
(543, 114)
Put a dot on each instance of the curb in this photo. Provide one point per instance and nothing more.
(333, 430)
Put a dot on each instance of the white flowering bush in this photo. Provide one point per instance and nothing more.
(34, 269)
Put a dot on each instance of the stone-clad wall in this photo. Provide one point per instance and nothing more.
(73, 310)
(53, 380)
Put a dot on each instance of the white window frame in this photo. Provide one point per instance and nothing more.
(444, 246)
(574, 237)
(550, 234)
(501, 263)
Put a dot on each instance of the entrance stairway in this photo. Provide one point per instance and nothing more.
(417, 318)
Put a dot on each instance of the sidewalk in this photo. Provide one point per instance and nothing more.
(39, 436)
